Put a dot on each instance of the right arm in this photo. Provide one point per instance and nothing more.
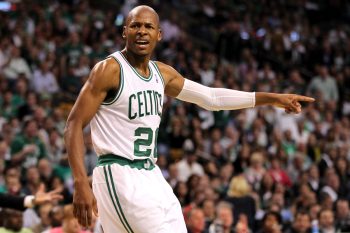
(215, 99)
(102, 79)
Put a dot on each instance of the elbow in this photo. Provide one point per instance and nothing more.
(209, 107)
(68, 129)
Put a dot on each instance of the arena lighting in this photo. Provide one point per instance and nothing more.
(261, 32)
(7, 6)
(294, 36)
(245, 35)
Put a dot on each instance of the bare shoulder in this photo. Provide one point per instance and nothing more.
(173, 79)
(105, 74)
(168, 72)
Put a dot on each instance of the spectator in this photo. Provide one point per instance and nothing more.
(195, 221)
(278, 174)
(13, 222)
(342, 215)
(301, 224)
(45, 222)
(239, 196)
(326, 221)
(324, 85)
(224, 220)
(189, 165)
(271, 223)
(209, 212)
(27, 148)
(16, 65)
(256, 170)
(44, 80)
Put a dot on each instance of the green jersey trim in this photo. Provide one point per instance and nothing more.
(147, 79)
(109, 159)
(121, 85)
(159, 73)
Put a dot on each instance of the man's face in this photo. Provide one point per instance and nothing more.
(142, 32)
(225, 215)
(302, 223)
(342, 209)
(197, 221)
(326, 219)
(15, 220)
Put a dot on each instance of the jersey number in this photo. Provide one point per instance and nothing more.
(146, 142)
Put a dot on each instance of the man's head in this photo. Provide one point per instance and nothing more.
(196, 220)
(342, 208)
(326, 218)
(302, 222)
(30, 128)
(142, 30)
(13, 220)
(224, 213)
(271, 221)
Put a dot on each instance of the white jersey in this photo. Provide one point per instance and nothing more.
(127, 126)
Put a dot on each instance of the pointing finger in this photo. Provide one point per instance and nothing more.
(304, 98)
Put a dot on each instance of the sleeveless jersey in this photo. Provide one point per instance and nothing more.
(128, 125)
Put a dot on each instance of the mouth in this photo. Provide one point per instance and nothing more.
(142, 43)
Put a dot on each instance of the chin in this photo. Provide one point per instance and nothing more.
(142, 52)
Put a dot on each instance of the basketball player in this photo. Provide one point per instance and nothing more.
(122, 100)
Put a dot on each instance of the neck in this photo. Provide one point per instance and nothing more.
(140, 62)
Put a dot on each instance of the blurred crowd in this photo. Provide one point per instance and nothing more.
(255, 170)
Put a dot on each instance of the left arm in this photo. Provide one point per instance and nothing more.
(216, 99)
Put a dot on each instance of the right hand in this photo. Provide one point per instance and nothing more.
(84, 203)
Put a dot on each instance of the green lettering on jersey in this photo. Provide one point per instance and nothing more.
(150, 100)
(145, 137)
(146, 142)
(140, 103)
(131, 117)
(145, 103)
(146, 109)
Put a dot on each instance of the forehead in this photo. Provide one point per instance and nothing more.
(143, 16)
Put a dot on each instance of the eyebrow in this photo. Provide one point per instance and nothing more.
(146, 23)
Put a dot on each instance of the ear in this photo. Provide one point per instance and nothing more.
(124, 34)
(160, 35)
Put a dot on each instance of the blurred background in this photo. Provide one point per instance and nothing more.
(255, 170)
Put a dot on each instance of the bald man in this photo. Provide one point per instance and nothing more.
(122, 100)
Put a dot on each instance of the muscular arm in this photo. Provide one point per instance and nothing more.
(224, 99)
(101, 80)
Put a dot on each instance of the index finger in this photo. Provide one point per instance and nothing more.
(56, 191)
(304, 98)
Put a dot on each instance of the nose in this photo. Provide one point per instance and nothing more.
(142, 30)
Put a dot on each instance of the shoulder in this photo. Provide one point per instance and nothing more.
(105, 74)
(107, 66)
(166, 71)
(173, 80)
